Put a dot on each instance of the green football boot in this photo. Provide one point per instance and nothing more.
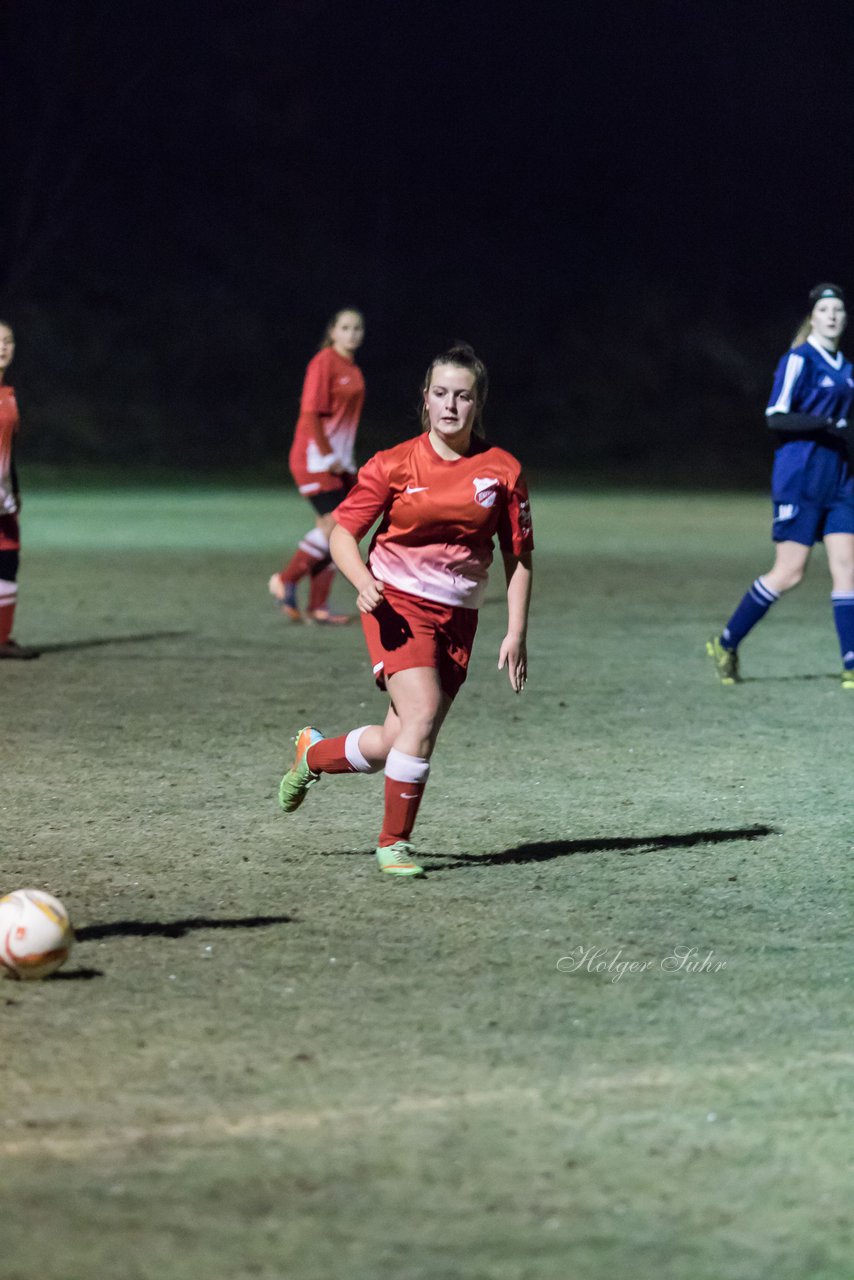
(299, 777)
(396, 860)
(848, 678)
(725, 660)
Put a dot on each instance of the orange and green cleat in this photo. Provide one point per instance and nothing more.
(299, 777)
(725, 660)
(396, 859)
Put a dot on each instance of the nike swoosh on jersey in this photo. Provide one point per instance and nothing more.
(417, 488)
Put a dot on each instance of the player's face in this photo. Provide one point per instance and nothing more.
(7, 347)
(451, 402)
(828, 320)
(347, 333)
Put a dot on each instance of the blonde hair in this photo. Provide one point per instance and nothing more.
(461, 356)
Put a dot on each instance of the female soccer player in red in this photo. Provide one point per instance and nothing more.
(10, 505)
(322, 461)
(442, 498)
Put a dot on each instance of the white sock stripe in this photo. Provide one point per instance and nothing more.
(403, 768)
(315, 543)
(8, 591)
(842, 597)
(766, 594)
(353, 752)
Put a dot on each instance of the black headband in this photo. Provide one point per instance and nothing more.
(826, 291)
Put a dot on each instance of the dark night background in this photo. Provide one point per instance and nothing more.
(622, 205)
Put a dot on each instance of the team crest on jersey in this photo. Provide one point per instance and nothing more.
(485, 490)
(826, 381)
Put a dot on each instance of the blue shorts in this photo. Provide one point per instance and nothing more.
(808, 523)
(812, 490)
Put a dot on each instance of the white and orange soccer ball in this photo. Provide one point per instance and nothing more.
(36, 935)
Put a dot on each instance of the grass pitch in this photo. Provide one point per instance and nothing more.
(607, 1036)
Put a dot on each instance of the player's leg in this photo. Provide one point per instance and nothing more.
(9, 559)
(790, 563)
(315, 755)
(420, 706)
(840, 559)
(312, 553)
(323, 572)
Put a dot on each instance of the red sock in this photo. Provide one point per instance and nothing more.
(7, 614)
(405, 780)
(328, 756)
(300, 564)
(320, 587)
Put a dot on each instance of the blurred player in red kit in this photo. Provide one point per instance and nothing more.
(441, 499)
(322, 462)
(10, 505)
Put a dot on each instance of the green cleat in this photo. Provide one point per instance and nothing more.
(725, 660)
(396, 860)
(299, 777)
(848, 678)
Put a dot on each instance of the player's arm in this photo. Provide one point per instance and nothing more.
(313, 423)
(367, 500)
(518, 571)
(804, 423)
(344, 550)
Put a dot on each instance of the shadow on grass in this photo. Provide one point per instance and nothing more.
(629, 846)
(547, 850)
(173, 928)
(97, 642)
(813, 675)
(75, 975)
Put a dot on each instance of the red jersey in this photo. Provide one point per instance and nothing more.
(8, 429)
(439, 517)
(334, 390)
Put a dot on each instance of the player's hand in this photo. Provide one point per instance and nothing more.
(370, 595)
(336, 468)
(514, 653)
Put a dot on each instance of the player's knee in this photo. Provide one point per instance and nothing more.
(785, 577)
(792, 579)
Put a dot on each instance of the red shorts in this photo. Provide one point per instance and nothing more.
(406, 631)
(10, 537)
(310, 483)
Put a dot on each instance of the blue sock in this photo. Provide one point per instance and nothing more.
(843, 616)
(751, 609)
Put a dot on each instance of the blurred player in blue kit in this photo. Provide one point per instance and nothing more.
(812, 482)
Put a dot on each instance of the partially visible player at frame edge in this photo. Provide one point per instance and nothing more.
(322, 462)
(10, 505)
(442, 497)
(812, 481)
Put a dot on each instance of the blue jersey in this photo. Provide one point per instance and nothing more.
(812, 469)
(810, 379)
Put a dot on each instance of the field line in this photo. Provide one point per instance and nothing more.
(210, 1128)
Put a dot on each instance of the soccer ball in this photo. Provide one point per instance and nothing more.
(35, 934)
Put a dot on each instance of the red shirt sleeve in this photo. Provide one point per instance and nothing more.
(515, 531)
(367, 500)
(317, 388)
